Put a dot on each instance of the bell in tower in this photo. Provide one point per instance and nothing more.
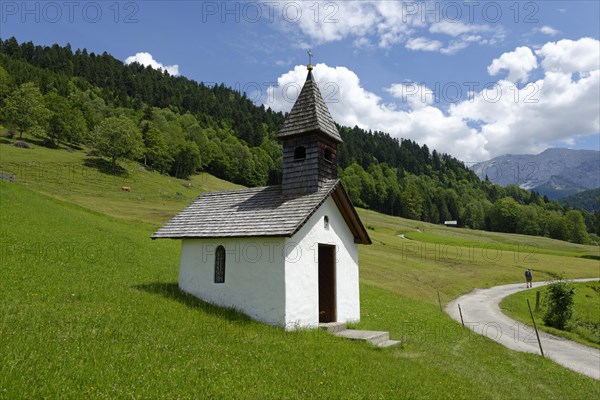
(310, 138)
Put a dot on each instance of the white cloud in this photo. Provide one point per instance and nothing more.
(362, 42)
(146, 59)
(552, 109)
(454, 47)
(570, 56)
(416, 95)
(350, 104)
(548, 30)
(465, 34)
(456, 28)
(518, 63)
(328, 22)
(423, 44)
(384, 23)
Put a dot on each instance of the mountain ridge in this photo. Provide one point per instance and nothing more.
(555, 172)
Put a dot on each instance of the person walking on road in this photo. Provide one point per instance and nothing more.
(529, 278)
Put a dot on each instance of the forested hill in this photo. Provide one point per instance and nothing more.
(587, 200)
(134, 85)
(179, 126)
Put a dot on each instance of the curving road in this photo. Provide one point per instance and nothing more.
(481, 313)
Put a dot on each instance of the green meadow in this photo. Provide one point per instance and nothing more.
(90, 305)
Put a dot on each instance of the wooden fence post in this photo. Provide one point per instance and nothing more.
(535, 327)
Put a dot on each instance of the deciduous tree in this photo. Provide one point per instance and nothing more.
(118, 137)
(576, 227)
(24, 108)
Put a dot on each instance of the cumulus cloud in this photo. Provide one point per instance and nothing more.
(350, 104)
(497, 120)
(416, 95)
(556, 108)
(570, 56)
(518, 63)
(553, 109)
(146, 60)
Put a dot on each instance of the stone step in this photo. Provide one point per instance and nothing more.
(388, 343)
(374, 337)
(378, 338)
(333, 327)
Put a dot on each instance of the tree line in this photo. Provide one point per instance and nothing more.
(179, 127)
(587, 200)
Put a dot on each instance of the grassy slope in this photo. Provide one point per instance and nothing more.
(74, 177)
(455, 261)
(585, 327)
(90, 305)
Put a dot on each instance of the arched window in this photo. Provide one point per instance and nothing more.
(220, 265)
(300, 153)
(328, 155)
(326, 222)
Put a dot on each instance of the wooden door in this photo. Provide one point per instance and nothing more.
(327, 302)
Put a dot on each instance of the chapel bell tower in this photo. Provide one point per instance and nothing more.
(310, 138)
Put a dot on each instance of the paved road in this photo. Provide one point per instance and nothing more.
(481, 313)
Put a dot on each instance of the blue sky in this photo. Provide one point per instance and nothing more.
(417, 70)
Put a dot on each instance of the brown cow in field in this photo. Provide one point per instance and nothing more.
(126, 188)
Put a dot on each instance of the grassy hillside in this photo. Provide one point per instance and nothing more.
(455, 261)
(90, 304)
(90, 182)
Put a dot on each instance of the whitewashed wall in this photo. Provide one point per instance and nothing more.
(254, 275)
(275, 280)
(301, 269)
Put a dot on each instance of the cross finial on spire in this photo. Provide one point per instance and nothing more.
(310, 56)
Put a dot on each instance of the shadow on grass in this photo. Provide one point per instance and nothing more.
(590, 256)
(38, 141)
(171, 291)
(73, 146)
(105, 167)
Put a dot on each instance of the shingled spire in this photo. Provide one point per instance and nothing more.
(310, 139)
(309, 114)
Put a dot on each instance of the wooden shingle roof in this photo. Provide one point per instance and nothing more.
(261, 211)
(309, 114)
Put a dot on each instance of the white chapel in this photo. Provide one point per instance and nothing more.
(285, 255)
